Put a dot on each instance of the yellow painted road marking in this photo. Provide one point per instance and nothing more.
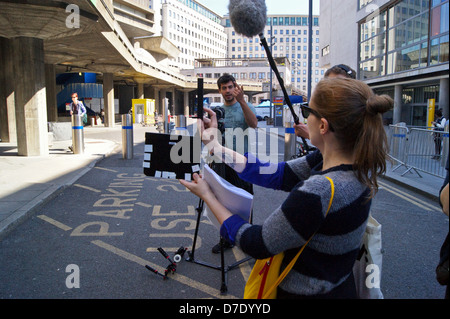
(180, 278)
(106, 169)
(143, 204)
(177, 277)
(55, 222)
(88, 188)
(415, 201)
(244, 267)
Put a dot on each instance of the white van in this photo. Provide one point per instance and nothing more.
(262, 112)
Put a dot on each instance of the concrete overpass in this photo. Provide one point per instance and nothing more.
(42, 38)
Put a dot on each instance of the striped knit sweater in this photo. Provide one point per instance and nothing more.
(328, 259)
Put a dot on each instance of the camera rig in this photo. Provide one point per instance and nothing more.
(172, 267)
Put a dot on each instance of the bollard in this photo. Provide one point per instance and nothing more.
(127, 136)
(180, 125)
(290, 141)
(77, 134)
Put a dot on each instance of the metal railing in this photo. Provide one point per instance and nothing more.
(419, 149)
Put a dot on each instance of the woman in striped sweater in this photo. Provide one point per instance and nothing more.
(345, 124)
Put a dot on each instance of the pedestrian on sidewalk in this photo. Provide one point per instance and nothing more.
(439, 125)
(77, 108)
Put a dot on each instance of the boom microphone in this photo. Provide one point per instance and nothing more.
(248, 17)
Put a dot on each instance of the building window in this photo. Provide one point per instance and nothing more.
(439, 33)
(439, 50)
(363, 3)
(402, 38)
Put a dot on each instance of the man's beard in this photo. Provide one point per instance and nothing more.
(229, 98)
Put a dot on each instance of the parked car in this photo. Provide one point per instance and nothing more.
(262, 112)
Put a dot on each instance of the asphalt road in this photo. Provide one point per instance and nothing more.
(94, 239)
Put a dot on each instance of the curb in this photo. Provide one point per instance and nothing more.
(20, 215)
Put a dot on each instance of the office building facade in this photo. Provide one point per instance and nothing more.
(195, 30)
(288, 36)
(401, 49)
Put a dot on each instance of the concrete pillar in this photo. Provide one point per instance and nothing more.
(443, 97)
(157, 103)
(108, 97)
(148, 92)
(250, 97)
(50, 84)
(397, 116)
(173, 105)
(186, 104)
(30, 96)
(140, 92)
(7, 102)
(164, 108)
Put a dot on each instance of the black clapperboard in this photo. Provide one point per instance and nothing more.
(171, 156)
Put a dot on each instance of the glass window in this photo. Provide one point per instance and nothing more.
(405, 10)
(423, 55)
(409, 32)
(372, 68)
(443, 49)
(373, 47)
(408, 59)
(439, 50)
(439, 19)
(363, 3)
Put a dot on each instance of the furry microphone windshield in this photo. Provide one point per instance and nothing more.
(248, 17)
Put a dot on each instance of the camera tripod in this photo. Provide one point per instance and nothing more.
(224, 269)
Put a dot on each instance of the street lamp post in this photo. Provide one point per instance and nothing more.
(272, 111)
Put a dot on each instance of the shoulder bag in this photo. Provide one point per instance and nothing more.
(265, 276)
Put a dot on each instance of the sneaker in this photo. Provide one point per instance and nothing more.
(226, 245)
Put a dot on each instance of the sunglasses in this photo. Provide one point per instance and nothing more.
(307, 111)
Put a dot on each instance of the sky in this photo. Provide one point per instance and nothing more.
(273, 6)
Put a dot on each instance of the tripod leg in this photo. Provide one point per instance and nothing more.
(199, 212)
(224, 288)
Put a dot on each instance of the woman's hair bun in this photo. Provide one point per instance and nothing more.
(379, 104)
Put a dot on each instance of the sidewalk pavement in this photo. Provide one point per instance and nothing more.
(26, 183)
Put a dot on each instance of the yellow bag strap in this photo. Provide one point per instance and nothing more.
(293, 261)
